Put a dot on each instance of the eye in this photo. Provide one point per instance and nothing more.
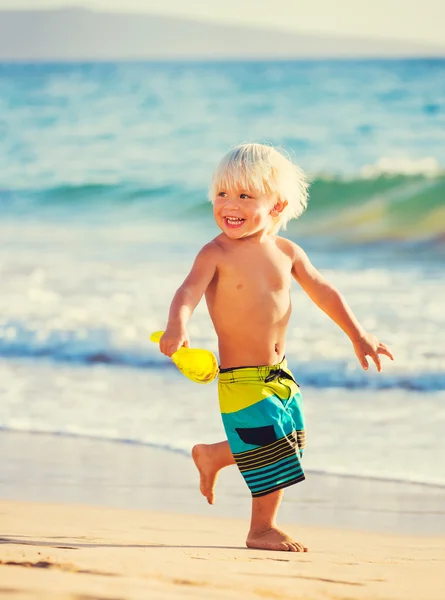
(244, 196)
(222, 194)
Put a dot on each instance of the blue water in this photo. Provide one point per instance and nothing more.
(103, 180)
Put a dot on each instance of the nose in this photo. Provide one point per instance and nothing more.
(232, 202)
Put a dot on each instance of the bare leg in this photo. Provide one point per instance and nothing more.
(264, 533)
(209, 460)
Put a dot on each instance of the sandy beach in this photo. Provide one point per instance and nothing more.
(86, 553)
(88, 520)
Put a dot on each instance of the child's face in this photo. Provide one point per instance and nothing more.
(240, 213)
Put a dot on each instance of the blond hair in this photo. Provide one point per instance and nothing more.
(268, 171)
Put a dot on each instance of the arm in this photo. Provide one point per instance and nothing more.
(329, 299)
(187, 298)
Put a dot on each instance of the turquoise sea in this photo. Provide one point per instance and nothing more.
(103, 180)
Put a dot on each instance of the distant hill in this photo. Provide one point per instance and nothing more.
(82, 34)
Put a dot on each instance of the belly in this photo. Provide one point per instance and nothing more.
(251, 333)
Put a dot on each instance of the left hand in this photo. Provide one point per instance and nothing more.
(369, 345)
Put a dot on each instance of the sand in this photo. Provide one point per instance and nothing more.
(123, 522)
(84, 553)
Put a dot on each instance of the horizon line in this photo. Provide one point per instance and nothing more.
(206, 21)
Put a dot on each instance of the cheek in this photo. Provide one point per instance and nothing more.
(260, 216)
(217, 214)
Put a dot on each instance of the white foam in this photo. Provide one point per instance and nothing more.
(428, 166)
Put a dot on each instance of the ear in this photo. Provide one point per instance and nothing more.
(278, 207)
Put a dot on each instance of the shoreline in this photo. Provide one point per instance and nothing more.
(183, 453)
(73, 470)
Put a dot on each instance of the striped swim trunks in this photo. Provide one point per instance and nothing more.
(262, 413)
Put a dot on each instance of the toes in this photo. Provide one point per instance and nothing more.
(293, 546)
(300, 547)
(286, 547)
(297, 547)
(270, 542)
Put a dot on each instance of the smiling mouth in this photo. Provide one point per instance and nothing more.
(233, 222)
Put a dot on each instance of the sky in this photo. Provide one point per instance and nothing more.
(411, 20)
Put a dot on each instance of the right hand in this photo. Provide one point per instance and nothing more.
(173, 339)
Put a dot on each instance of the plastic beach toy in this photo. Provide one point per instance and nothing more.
(196, 364)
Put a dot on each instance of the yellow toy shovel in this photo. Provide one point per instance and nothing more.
(196, 364)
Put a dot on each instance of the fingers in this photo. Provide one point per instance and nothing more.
(373, 351)
(168, 348)
(376, 358)
(363, 362)
(165, 349)
(383, 349)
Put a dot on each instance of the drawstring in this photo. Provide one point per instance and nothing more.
(277, 373)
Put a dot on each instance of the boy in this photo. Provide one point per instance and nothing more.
(245, 274)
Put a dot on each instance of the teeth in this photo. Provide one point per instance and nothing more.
(234, 219)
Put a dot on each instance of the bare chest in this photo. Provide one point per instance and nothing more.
(258, 275)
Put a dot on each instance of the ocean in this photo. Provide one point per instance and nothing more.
(104, 171)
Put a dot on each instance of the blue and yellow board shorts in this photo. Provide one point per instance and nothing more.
(262, 412)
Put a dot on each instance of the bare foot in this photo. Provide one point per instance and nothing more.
(274, 539)
(207, 472)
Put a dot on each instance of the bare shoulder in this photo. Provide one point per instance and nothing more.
(203, 270)
(291, 249)
(212, 251)
(301, 266)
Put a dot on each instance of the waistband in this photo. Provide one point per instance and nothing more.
(265, 373)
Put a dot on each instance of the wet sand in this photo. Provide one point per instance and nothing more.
(90, 520)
